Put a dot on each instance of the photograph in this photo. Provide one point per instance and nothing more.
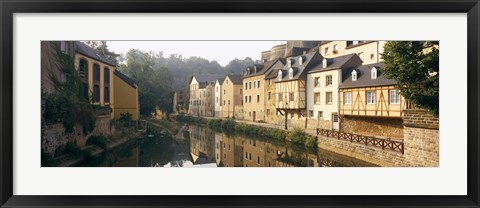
(240, 103)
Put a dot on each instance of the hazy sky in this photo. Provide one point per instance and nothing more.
(221, 51)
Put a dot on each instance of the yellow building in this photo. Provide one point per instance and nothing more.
(368, 51)
(97, 73)
(271, 114)
(255, 95)
(369, 103)
(232, 96)
(125, 96)
(102, 79)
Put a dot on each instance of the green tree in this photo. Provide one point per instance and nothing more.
(102, 49)
(415, 67)
(154, 82)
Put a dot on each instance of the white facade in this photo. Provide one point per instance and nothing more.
(218, 99)
(194, 98)
(322, 98)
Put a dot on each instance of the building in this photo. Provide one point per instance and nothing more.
(322, 84)
(49, 63)
(291, 87)
(209, 99)
(368, 51)
(271, 114)
(232, 97)
(218, 97)
(179, 101)
(255, 95)
(125, 96)
(198, 82)
(370, 104)
(97, 73)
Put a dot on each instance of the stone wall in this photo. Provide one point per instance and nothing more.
(238, 113)
(54, 135)
(421, 138)
(421, 144)
(372, 126)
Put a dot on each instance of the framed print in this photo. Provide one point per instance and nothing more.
(247, 104)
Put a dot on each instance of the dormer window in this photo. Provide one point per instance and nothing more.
(324, 62)
(290, 73)
(300, 60)
(280, 75)
(354, 75)
(254, 69)
(289, 62)
(374, 73)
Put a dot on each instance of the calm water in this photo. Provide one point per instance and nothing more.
(204, 147)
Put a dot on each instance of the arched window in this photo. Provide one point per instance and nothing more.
(354, 75)
(374, 73)
(106, 81)
(96, 83)
(83, 69)
(290, 73)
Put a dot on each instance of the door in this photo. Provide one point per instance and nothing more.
(254, 115)
(335, 121)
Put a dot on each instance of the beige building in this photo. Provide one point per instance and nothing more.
(291, 87)
(322, 94)
(368, 51)
(198, 93)
(254, 88)
(232, 96)
(370, 104)
(218, 97)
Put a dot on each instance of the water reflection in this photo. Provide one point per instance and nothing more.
(203, 147)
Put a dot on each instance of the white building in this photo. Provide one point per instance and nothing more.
(322, 90)
(218, 97)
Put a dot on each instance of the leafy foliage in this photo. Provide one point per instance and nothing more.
(98, 140)
(415, 67)
(68, 103)
(101, 48)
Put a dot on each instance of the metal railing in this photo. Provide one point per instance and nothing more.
(385, 144)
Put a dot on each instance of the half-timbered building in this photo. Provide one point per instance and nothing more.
(370, 104)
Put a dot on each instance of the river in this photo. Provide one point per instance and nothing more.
(204, 147)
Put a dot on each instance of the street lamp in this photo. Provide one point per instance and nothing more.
(286, 105)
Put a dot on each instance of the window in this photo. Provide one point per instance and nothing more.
(310, 114)
(216, 89)
(96, 72)
(324, 63)
(83, 69)
(254, 84)
(360, 55)
(328, 80)
(289, 62)
(335, 49)
(328, 98)
(228, 102)
(258, 160)
(316, 98)
(316, 82)
(354, 75)
(300, 60)
(320, 114)
(216, 98)
(280, 75)
(374, 73)
(269, 82)
(226, 81)
(249, 98)
(258, 98)
(224, 91)
(246, 86)
(347, 98)
(246, 155)
(327, 51)
(394, 97)
(223, 102)
(250, 85)
(96, 93)
(250, 156)
(246, 99)
(290, 73)
(292, 98)
(280, 97)
(268, 112)
(106, 96)
(258, 84)
(269, 95)
(370, 97)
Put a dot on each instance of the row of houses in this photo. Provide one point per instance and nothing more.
(335, 85)
(104, 84)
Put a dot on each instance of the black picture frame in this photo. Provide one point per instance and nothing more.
(9, 7)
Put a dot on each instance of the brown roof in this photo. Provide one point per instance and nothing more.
(364, 78)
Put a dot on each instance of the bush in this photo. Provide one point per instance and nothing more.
(125, 119)
(98, 140)
(48, 160)
(72, 148)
